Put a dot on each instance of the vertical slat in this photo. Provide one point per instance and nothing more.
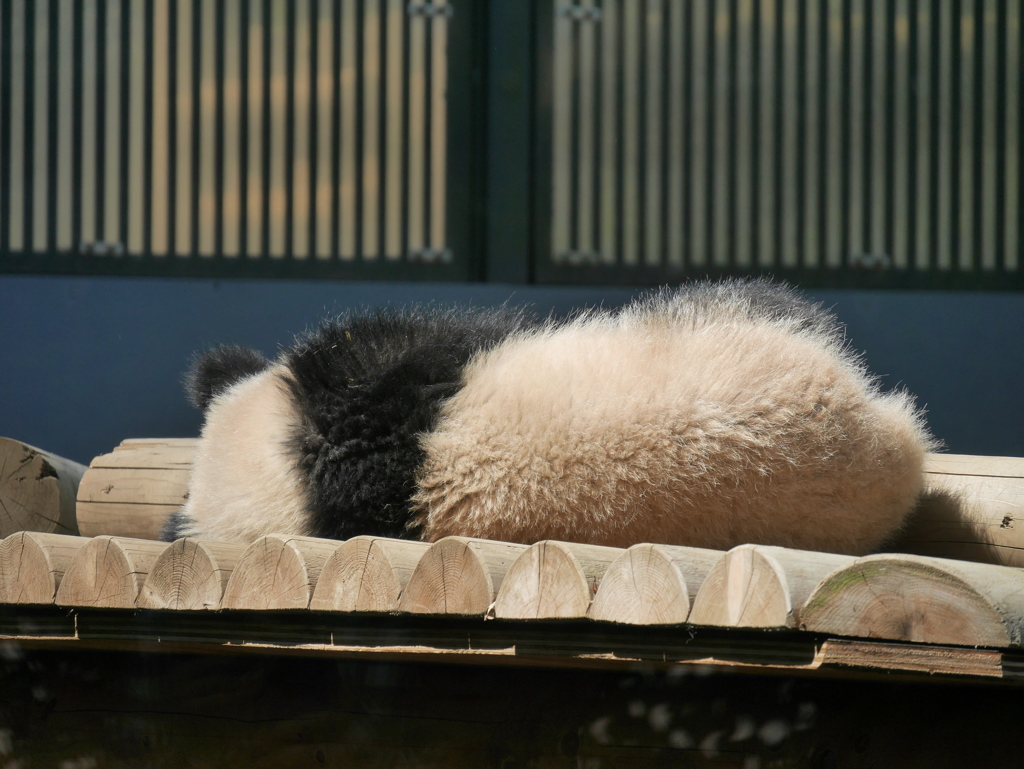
(173, 102)
(395, 119)
(313, 110)
(76, 129)
(15, 128)
(1011, 249)
(811, 73)
(360, 124)
(677, 135)
(90, 113)
(925, 138)
(245, 126)
(231, 193)
(882, 72)
(370, 148)
(55, 127)
(585, 125)
(742, 177)
(7, 125)
(789, 137)
(966, 183)
(277, 141)
(631, 119)
(36, 18)
(255, 245)
(380, 220)
(561, 139)
(349, 178)
(263, 61)
(611, 116)
(336, 75)
(654, 161)
(160, 168)
(135, 149)
(859, 130)
(299, 126)
(145, 194)
(193, 33)
(104, 54)
(945, 44)
(289, 119)
(207, 165)
(438, 129)
(64, 170)
(987, 202)
(700, 121)
(128, 122)
(218, 86)
(900, 211)
(767, 203)
(326, 151)
(719, 108)
(835, 151)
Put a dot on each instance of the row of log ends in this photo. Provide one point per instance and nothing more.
(885, 596)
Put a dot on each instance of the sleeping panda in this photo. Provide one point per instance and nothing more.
(712, 415)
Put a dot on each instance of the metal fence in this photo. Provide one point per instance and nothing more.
(179, 135)
(813, 137)
(861, 142)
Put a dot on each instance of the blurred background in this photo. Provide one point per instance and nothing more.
(180, 173)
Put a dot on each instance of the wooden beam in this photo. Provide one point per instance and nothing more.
(652, 584)
(458, 575)
(278, 572)
(190, 574)
(132, 491)
(33, 564)
(37, 490)
(917, 598)
(108, 572)
(553, 580)
(367, 574)
(760, 586)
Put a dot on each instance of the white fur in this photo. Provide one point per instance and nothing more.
(674, 425)
(244, 482)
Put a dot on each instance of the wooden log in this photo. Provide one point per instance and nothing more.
(278, 572)
(761, 586)
(190, 574)
(553, 579)
(652, 584)
(37, 490)
(458, 575)
(33, 564)
(972, 509)
(367, 574)
(917, 598)
(108, 572)
(132, 491)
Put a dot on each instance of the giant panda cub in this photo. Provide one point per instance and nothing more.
(711, 415)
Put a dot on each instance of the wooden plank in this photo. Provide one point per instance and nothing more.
(135, 521)
(553, 580)
(965, 464)
(762, 587)
(931, 660)
(108, 572)
(32, 565)
(147, 486)
(37, 490)
(459, 575)
(652, 584)
(921, 599)
(150, 456)
(278, 572)
(133, 443)
(367, 574)
(190, 574)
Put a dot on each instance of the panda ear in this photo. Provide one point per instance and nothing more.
(215, 370)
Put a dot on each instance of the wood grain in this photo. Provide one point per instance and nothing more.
(108, 572)
(190, 574)
(278, 572)
(32, 565)
(37, 490)
(367, 574)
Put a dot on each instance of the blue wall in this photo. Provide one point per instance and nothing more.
(87, 362)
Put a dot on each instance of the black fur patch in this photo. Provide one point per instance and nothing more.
(214, 371)
(368, 387)
(174, 526)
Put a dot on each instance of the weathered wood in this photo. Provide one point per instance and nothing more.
(108, 572)
(760, 586)
(917, 598)
(132, 491)
(278, 572)
(553, 579)
(32, 565)
(367, 574)
(458, 575)
(190, 574)
(972, 509)
(652, 584)
(37, 490)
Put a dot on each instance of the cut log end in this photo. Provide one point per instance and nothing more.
(108, 572)
(277, 572)
(458, 575)
(37, 490)
(651, 585)
(553, 580)
(190, 574)
(32, 566)
(367, 574)
(912, 598)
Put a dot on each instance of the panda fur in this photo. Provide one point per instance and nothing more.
(711, 415)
